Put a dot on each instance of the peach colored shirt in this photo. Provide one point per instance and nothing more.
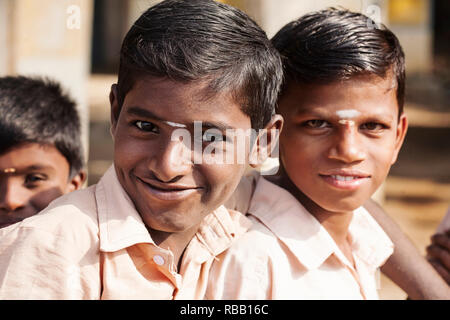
(287, 254)
(93, 244)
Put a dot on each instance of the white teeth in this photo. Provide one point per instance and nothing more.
(343, 178)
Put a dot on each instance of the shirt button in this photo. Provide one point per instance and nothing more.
(158, 260)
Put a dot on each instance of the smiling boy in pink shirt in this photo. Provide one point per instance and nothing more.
(152, 226)
(342, 102)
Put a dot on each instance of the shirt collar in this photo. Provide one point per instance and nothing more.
(218, 231)
(369, 241)
(121, 226)
(305, 237)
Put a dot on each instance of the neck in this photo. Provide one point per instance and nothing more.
(336, 223)
(176, 242)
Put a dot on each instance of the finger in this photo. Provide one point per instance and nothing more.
(442, 240)
(427, 249)
(440, 254)
(441, 270)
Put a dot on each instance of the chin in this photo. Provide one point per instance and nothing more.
(169, 222)
(341, 205)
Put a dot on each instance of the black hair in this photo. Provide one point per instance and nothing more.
(203, 40)
(36, 110)
(337, 44)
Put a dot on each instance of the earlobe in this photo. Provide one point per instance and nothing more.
(267, 142)
(402, 128)
(77, 181)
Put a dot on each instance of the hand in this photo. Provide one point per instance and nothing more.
(438, 254)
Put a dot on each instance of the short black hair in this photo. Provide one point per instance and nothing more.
(36, 110)
(337, 44)
(203, 40)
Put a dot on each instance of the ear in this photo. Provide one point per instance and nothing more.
(266, 141)
(402, 128)
(115, 109)
(77, 181)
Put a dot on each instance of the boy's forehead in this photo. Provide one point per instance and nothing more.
(358, 96)
(178, 104)
(162, 88)
(308, 94)
(32, 157)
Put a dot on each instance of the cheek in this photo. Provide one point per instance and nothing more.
(222, 180)
(295, 153)
(41, 199)
(127, 151)
(382, 159)
(383, 151)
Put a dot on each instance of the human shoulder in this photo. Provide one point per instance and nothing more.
(244, 270)
(255, 249)
(72, 217)
(55, 253)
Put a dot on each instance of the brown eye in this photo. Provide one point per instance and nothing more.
(211, 136)
(373, 126)
(33, 179)
(316, 124)
(146, 126)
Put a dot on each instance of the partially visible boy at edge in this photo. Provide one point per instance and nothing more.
(342, 102)
(152, 226)
(438, 252)
(41, 156)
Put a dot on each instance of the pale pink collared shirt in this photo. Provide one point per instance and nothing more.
(93, 244)
(287, 254)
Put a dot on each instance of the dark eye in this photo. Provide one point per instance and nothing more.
(212, 136)
(316, 124)
(146, 126)
(34, 178)
(373, 126)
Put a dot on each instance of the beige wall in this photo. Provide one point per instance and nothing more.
(412, 25)
(414, 31)
(5, 11)
(275, 14)
(138, 7)
(52, 38)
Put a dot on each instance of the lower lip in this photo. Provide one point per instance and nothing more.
(173, 195)
(346, 184)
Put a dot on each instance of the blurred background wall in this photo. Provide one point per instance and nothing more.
(78, 41)
(51, 38)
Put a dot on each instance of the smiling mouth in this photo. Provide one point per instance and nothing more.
(345, 178)
(345, 181)
(167, 192)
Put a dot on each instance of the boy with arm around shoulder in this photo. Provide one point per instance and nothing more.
(342, 102)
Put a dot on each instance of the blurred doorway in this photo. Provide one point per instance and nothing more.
(110, 23)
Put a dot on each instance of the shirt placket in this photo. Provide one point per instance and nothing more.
(163, 261)
(352, 270)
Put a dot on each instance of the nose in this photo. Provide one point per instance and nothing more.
(347, 146)
(13, 197)
(172, 162)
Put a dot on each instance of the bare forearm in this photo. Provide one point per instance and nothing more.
(406, 267)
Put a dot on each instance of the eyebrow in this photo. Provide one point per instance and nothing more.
(217, 125)
(140, 112)
(320, 113)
